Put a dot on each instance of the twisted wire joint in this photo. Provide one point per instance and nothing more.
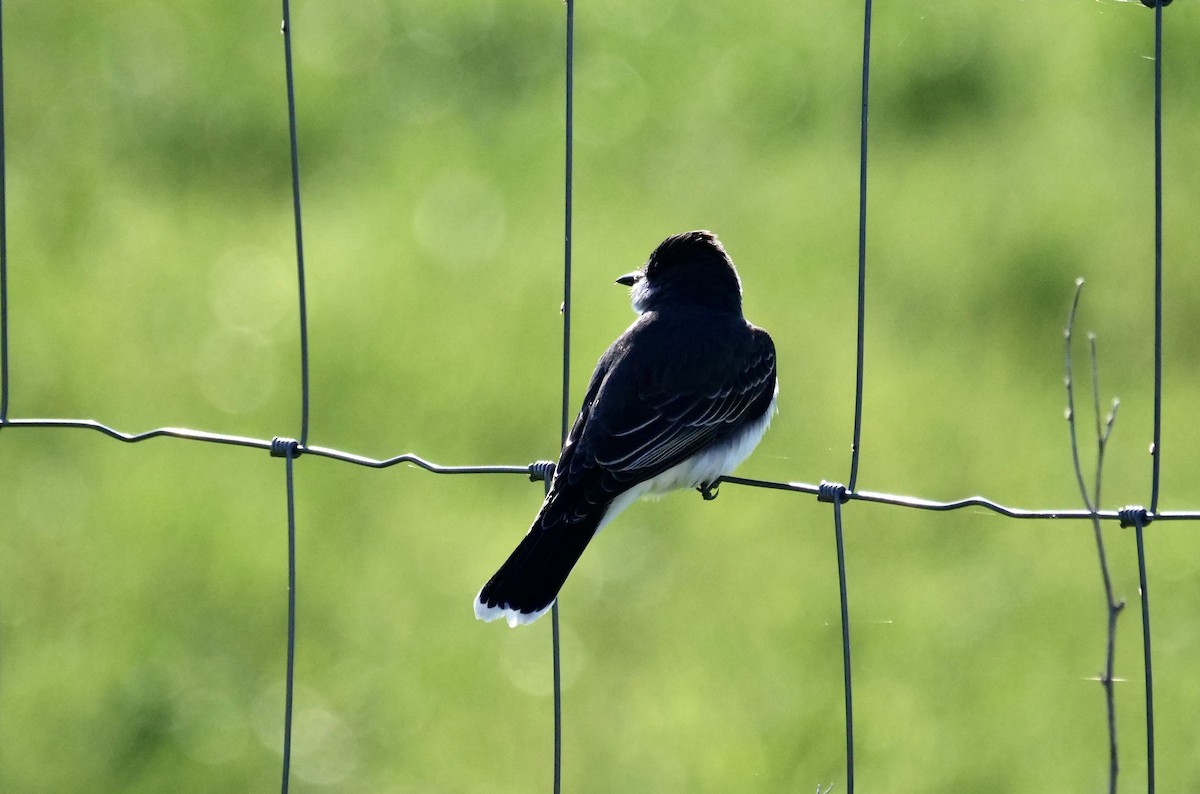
(281, 446)
(831, 492)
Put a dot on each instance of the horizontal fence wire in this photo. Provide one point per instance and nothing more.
(269, 445)
(292, 449)
(535, 472)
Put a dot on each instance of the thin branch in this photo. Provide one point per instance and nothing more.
(1091, 501)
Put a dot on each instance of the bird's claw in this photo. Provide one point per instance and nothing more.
(708, 490)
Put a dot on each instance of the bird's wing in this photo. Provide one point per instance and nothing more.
(666, 411)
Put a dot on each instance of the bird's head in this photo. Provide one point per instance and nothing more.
(687, 269)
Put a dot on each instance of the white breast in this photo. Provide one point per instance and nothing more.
(704, 467)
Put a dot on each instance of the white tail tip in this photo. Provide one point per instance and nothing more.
(512, 616)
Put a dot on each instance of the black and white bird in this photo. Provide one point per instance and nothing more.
(678, 401)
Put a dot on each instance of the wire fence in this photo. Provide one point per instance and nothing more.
(832, 493)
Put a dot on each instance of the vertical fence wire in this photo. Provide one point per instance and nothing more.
(3, 241)
(295, 153)
(290, 448)
(291, 619)
(3, 262)
(845, 607)
(1156, 447)
(1156, 458)
(856, 443)
(556, 665)
(568, 191)
(1148, 677)
(565, 424)
(859, 370)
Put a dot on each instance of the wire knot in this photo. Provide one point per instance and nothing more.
(1134, 516)
(832, 492)
(542, 470)
(284, 447)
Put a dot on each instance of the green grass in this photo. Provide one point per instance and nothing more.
(151, 259)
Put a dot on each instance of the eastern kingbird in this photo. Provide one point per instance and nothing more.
(678, 401)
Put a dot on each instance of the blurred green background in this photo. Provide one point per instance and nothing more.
(143, 588)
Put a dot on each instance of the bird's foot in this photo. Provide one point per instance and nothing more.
(709, 490)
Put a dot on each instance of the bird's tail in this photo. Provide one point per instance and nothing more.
(529, 580)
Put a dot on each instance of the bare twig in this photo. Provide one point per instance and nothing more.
(1091, 501)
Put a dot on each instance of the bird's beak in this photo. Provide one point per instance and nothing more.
(629, 279)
